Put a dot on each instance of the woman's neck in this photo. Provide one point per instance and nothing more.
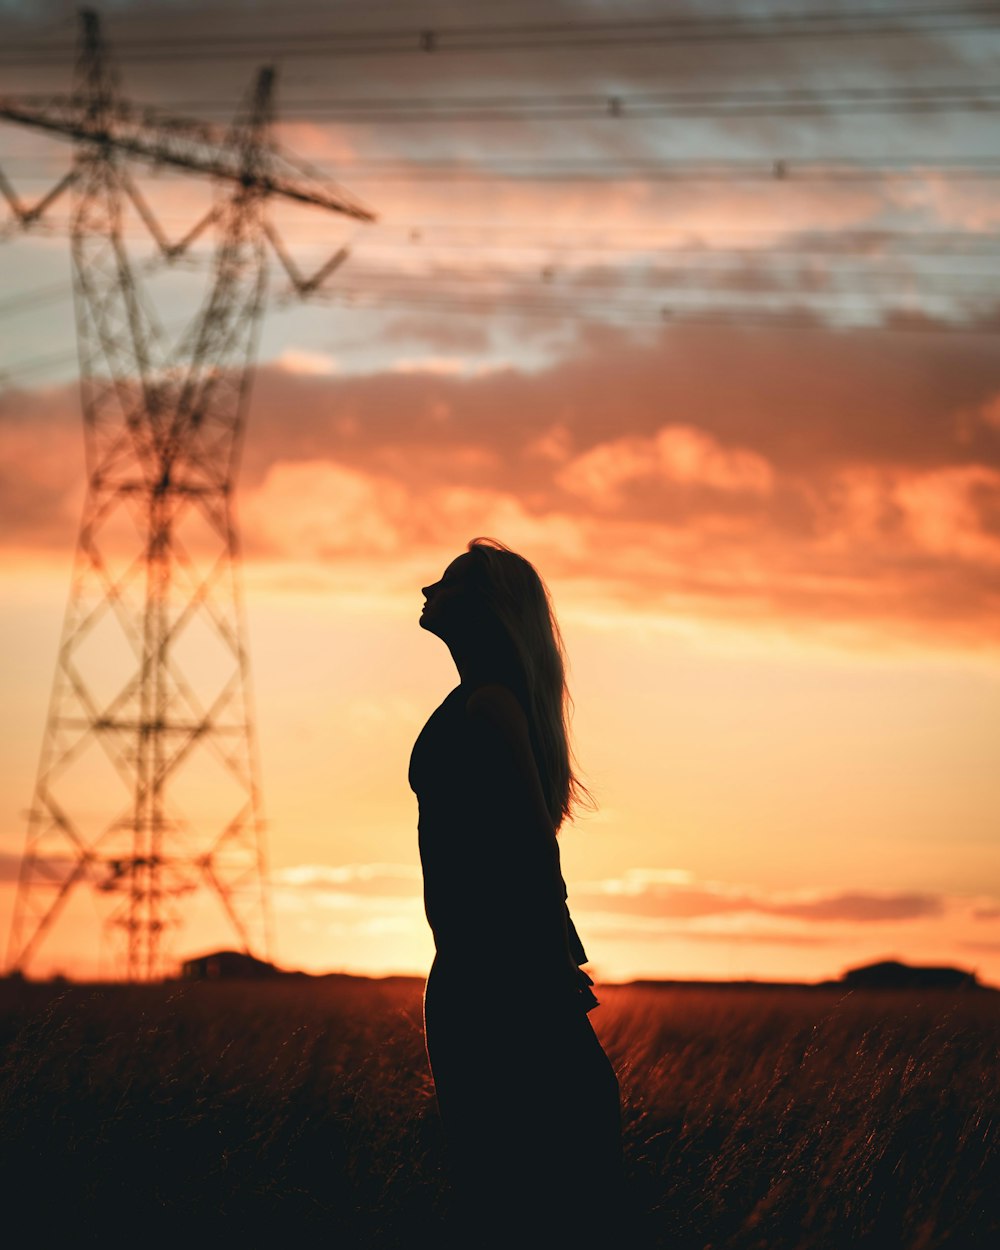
(478, 667)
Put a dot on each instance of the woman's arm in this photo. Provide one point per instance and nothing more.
(500, 727)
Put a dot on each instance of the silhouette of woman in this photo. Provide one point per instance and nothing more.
(528, 1099)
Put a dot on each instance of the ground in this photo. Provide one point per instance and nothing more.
(784, 1120)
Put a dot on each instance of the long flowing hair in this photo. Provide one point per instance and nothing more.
(519, 600)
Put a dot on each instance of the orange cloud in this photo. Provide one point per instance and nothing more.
(297, 361)
(854, 481)
(319, 510)
(948, 512)
(645, 893)
(675, 454)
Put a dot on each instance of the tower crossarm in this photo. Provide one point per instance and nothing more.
(149, 134)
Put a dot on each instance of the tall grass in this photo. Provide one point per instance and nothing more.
(304, 1112)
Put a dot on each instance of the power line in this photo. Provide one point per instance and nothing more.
(757, 284)
(635, 106)
(641, 105)
(707, 28)
(753, 287)
(630, 169)
(679, 243)
(683, 245)
(904, 320)
(22, 301)
(36, 364)
(627, 169)
(682, 242)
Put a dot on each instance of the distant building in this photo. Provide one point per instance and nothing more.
(228, 966)
(891, 974)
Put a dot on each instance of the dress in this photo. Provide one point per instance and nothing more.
(528, 1099)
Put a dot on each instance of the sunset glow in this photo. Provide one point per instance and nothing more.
(774, 548)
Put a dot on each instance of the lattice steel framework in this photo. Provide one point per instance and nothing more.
(147, 787)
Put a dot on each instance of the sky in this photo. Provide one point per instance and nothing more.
(729, 381)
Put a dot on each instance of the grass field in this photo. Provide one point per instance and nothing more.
(303, 1113)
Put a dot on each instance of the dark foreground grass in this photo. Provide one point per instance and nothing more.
(303, 1113)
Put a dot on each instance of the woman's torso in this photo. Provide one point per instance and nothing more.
(477, 872)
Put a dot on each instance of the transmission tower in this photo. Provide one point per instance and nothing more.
(147, 788)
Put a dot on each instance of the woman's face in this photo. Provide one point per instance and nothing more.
(449, 600)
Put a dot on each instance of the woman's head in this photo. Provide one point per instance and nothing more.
(492, 593)
(453, 606)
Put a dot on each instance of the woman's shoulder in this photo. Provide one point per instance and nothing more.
(500, 710)
(499, 706)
